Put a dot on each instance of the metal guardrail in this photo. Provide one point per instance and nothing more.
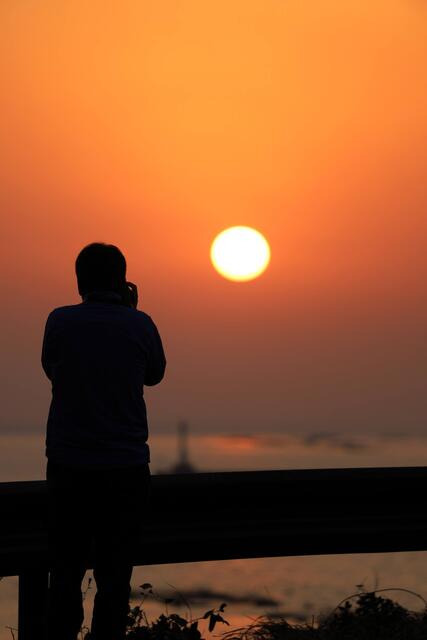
(221, 516)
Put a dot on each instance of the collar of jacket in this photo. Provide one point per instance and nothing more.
(103, 296)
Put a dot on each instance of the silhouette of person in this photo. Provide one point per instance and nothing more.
(98, 354)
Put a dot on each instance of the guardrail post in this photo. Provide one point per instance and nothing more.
(32, 604)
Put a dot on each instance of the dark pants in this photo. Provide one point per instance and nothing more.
(93, 515)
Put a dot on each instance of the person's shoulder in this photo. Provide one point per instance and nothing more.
(61, 312)
(68, 308)
(141, 317)
(144, 321)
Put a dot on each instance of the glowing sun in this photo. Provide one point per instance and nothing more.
(240, 253)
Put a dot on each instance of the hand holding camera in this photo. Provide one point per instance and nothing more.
(129, 295)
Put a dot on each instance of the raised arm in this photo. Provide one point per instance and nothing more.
(156, 362)
(45, 350)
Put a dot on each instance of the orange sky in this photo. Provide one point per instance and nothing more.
(154, 125)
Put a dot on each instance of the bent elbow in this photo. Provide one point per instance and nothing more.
(154, 378)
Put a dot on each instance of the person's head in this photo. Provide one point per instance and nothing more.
(100, 266)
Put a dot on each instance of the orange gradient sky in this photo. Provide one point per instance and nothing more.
(154, 125)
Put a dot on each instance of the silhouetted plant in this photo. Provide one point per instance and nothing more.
(166, 627)
(364, 615)
(372, 618)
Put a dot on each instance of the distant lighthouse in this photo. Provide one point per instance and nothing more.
(183, 464)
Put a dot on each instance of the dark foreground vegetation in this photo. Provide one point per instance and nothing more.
(370, 617)
(367, 615)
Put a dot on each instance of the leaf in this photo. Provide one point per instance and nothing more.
(177, 618)
(208, 613)
(212, 621)
(221, 619)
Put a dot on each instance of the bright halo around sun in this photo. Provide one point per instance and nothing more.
(240, 253)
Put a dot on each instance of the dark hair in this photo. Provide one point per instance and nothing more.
(100, 266)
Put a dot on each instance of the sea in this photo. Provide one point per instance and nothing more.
(300, 588)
